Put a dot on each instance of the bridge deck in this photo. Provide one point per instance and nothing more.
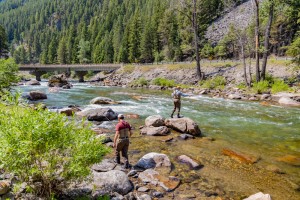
(76, 67)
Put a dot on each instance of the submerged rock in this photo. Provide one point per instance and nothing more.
(240, 156)
(290, 159)
(153, 177)
(287, 101)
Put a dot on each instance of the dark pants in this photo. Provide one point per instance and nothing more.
(177, 105)
(122, 146)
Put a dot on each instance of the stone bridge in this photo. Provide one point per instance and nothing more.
(80, 69)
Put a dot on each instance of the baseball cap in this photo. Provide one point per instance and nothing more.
(120, 116)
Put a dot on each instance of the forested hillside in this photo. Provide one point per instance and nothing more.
(105, 31)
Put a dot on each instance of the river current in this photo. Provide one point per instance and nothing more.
(269, 132)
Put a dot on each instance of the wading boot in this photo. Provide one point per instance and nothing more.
(117, 160)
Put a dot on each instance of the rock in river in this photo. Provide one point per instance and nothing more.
(98, 114)
(183, 125)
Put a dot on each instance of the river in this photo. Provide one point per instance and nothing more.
(269, 132)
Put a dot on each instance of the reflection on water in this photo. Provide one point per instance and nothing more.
(269, 132)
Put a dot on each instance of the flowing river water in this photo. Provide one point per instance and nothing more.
(268, 132)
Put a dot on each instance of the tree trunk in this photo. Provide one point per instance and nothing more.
(195, 26)
(244, 62)
(266, 43)
(257, 41)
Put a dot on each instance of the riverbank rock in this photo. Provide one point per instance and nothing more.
(192, 163)
(259, 196)
(151, 176)
(112, 181)
(155, 131)
(33, 82)
(183, 125)
(154, 160)
(155, 120)
(98, 114)
(288, 101)
(69, 111)
(105, 166)
(37, 95)
(102, 100)
(59, 80)
(241, 157)
(235, 96)
(4, 187)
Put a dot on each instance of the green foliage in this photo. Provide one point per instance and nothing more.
(43, 146)
(207, 51)
(261, 86)
(279, 86)
(242, 86)
(142, 81)
(47, 75)
(294, 51)
(164, 82)
(217, 82)
(8, 74)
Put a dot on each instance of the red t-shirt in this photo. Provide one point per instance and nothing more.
(122, 125)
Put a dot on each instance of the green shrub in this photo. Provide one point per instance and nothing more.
(260, 87)
(8, 74)
(242, 86)
(47, 75)
(142, 81)
(164, 82)
(279, 86)
(45, 147)
(217, 82)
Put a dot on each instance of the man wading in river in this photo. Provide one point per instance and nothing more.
(121, 140)
(177, 102)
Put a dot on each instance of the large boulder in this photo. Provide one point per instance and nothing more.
(288, 101)
(33, 82)
(105, 166)
(155, 120)
(37, 95)
(154, 160)
(102, 100)
(155, 131)
(59, 80)
(98, 114)
(151, 176)
(112, 181)
(183, 125)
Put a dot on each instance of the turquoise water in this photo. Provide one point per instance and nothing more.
(267, 131)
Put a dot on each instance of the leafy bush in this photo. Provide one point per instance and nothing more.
(47, 75)
(261, 86)
(279, 86)
(164, 82)
(44, 147)
(8, 74)
(217, 82)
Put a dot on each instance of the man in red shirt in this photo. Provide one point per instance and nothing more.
(121, 140)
